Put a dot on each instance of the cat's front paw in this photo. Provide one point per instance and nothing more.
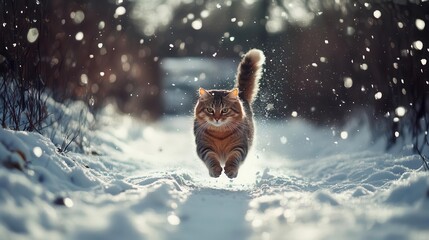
(215, 171)
(231, 171)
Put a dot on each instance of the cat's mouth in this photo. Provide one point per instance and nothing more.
(217, 123)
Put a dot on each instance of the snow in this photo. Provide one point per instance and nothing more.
(144, 181)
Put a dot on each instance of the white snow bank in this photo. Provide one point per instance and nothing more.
(13, 152)
(146, 182)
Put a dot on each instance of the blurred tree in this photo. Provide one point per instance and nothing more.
(82, 51)
(21, 85)
(95, 54)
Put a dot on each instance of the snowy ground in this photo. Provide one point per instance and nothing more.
(145, 182)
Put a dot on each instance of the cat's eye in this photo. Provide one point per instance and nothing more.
(210, 110)
(225, 110)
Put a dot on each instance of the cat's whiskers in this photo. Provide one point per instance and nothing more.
(202, 127)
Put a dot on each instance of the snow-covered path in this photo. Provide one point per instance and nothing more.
(147, 183)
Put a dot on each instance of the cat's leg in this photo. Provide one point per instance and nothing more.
(231, 168)
(215, 170)
(210, 158)
(233, 162)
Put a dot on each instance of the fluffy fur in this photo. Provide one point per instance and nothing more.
(223, 125)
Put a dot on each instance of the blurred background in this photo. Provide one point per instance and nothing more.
(327, 60)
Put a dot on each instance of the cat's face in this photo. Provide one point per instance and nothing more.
(218, 107)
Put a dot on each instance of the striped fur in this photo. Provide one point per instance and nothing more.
(248, 74)
(223, 124)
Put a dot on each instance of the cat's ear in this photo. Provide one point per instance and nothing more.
(233, 94)
(204, 94)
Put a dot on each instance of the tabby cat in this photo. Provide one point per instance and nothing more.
(223, 125)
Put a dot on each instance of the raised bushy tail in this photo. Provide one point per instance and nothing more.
(248, 74)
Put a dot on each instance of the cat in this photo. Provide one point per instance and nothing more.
(223, 119)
